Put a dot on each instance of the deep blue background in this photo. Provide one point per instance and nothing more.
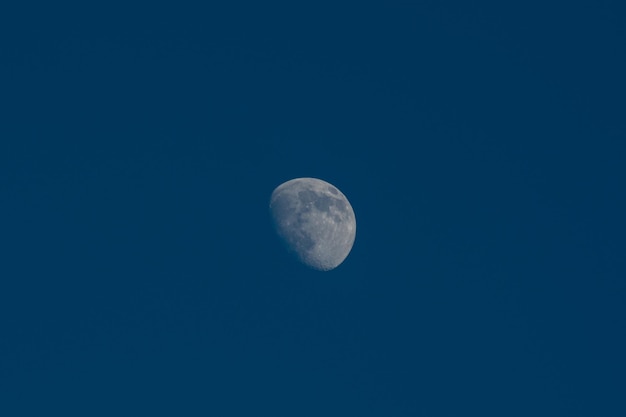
(482, 145)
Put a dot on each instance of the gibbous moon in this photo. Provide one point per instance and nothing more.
(315, 221)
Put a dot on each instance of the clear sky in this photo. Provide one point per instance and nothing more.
(481, 144)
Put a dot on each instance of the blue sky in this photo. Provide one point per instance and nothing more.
(481, 146)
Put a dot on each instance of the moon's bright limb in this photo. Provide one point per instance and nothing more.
(315, 220)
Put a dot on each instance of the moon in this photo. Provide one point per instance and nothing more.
(315, 221)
